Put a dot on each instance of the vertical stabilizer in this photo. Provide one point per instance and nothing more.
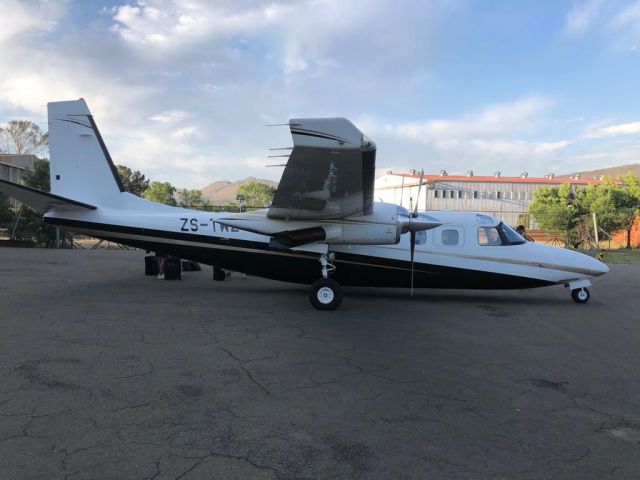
(81, 167)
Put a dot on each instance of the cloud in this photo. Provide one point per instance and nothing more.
(172, 25)
(501, 136)
(632, 128)
(617, 22)
(29, 17)
(170, 116)
(582, 16)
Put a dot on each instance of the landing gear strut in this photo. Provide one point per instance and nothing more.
(326, 293)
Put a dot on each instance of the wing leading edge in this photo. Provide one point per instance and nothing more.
(330, 173)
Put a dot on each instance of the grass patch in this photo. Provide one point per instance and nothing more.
(622, 256)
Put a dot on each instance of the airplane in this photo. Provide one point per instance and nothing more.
(323, 227)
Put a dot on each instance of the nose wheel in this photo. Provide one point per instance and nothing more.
(580, 295)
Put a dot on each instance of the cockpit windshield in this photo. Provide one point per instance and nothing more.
(510, 235)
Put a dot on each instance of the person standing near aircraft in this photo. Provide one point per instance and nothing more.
(161, 258)
(522, 232)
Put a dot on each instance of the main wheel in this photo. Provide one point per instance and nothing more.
(580, 295)
(325, 294)
(219, 274)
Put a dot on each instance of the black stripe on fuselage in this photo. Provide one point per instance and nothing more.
(257, 258)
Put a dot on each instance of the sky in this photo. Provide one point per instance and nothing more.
(184, 90)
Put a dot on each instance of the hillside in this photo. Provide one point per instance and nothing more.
(613, 172)
(223, 191)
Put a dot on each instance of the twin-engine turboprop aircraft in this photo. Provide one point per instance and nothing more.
(323, 227)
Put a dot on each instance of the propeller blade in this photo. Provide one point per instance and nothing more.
(415, 210)
(413, 249)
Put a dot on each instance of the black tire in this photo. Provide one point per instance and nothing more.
(173, 269)
(150, 265)
(219, 274)
(580, 295)
(325, 294)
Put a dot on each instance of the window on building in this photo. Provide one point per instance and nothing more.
(450, 237)
(475, 194)
(498, 195)
(436, 194)
(460, 194)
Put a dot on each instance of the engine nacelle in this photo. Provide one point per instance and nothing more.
(379, 228)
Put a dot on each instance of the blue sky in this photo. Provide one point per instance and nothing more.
(182, 90)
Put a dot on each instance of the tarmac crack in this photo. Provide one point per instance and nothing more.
(247, 372)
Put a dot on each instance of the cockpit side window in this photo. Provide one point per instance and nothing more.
(489, 236)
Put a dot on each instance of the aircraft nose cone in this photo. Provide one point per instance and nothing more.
(601, 268)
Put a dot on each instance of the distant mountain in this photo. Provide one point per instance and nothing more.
(223, 191)
(613, 172)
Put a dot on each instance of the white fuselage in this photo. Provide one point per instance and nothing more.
(160, 228)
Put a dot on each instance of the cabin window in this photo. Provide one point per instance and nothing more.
(489, 236)
(421, 237)
(450, 237)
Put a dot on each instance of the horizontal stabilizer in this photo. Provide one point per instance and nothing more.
(39, 200)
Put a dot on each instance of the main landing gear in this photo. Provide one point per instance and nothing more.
(326, 293)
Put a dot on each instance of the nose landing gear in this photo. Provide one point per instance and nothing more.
(580, 295)
(579, 291)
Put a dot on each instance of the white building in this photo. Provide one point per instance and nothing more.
(13, 166)
(507, 198)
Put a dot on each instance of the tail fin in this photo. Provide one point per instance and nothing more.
(81, 167)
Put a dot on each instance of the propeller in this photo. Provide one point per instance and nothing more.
(412, 231)
(410, 222)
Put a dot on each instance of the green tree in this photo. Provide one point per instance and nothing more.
(22, 137)
(255, 194)
(6, 215)
(29, 224)
(133, 180)
(558, 209)
(632, 183)
(613, 205)
(192, 199)
(161, 192)
(39, 177)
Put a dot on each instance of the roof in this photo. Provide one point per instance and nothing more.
(500, 179)
(23, 162)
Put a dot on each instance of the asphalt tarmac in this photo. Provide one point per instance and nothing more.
(108, 374)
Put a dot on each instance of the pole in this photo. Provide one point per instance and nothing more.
(58, 237)
(595, 230)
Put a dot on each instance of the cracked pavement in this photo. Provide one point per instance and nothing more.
(108, 374)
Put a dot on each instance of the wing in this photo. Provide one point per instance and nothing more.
(330, 172)
(39, 200)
